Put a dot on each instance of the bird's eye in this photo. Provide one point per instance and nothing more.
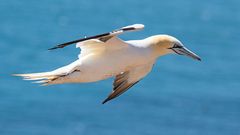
(177, 46)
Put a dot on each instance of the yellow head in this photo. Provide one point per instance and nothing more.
(165, 44)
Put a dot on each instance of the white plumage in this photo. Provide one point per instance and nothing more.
(106, 55)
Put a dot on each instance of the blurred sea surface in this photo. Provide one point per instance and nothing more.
(179, 97)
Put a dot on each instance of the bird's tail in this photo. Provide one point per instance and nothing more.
(44, 78)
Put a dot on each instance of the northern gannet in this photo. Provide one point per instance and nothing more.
(105, 55)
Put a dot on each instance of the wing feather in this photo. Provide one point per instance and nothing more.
(126, 80)
(103, 37)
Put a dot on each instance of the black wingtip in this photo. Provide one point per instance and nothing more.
(106, 100)
(58, 46)
(50, 49)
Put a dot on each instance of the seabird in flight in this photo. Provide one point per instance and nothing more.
(105, 55)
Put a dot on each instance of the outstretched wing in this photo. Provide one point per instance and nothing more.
(96, 46)
(127, 79)
(103, 37)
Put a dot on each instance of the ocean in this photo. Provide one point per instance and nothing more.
(179, 97)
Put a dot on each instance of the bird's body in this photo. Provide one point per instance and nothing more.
(105, 63)
(108, 56)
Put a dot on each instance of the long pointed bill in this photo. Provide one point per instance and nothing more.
(186, 52)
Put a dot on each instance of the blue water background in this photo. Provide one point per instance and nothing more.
(179, 97)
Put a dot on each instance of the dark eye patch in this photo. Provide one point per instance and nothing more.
(177, 46)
